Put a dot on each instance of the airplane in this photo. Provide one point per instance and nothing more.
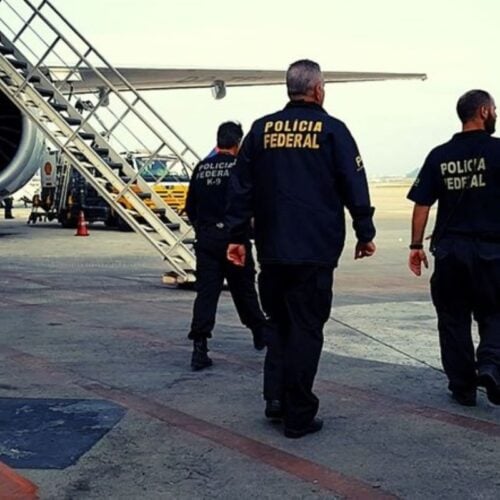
(22, 145)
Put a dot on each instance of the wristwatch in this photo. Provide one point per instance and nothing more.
(416, 246)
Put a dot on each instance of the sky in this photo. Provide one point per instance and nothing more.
(395, 124)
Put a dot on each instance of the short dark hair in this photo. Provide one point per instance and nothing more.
(302, 76)
(229, 134)
(470, 102)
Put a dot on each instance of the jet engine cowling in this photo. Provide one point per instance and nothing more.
(22, 148)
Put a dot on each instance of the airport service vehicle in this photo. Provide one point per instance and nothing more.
(168, 177)
(65, 192)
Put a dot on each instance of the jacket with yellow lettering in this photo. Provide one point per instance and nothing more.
(463, 175)
(206, 199)
(296, 171)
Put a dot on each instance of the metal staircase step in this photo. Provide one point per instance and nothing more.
(58, 106)
(101, 151)
(7, 79)
(5, 50)
(18, 64)
(79, 156)
(72, 121)
(114, 164)
(87, 136)
(159, 211)
(32, 78)
(45, 92)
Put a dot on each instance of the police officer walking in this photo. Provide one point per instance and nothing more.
(205, 206)
(296, 171)
(463, 176)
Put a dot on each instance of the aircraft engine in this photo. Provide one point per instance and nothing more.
(22, 148)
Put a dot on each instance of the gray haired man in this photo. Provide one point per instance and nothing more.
(296, 171)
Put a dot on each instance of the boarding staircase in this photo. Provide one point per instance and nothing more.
(89, 130)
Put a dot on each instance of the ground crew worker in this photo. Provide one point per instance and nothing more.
(463, 176)
(296, 171)
(7, 205)
(205, 206)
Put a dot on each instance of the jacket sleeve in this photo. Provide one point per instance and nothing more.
(191, 199)
(353, 185)
(239, 207)
(425, 188)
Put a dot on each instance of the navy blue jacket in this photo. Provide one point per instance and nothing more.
(296, 171)
(206, 199)
(463, 175)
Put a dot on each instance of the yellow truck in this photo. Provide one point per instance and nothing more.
(168, 177)
(65, 192)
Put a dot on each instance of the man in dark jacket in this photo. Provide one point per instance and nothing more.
(463, 176)
(296, 171)
(205, 206)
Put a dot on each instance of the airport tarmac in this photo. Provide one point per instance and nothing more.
(97, 400)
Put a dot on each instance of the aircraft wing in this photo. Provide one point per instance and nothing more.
(86, 80)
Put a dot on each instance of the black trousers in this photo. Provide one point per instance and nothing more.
(297, 300)
(465, 286)
(212, 267)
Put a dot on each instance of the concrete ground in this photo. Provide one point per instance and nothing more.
(89, 318)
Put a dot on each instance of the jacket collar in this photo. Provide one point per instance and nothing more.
(304, 104)
(471, 134)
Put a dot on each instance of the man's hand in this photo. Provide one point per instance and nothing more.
(236, 254)
(364, 250)
(415, 261)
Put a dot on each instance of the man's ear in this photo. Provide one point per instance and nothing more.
(318, 92)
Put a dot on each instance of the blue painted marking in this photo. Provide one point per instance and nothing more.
(52, 433)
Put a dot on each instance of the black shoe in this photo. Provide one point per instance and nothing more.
(486, 378)
(315, 425)
(274, 409)
(465, 397)
(200, 359)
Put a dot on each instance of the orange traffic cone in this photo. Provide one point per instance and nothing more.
(81, 228)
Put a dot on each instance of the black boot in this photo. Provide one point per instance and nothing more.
(200, 359)
(488, 377)
(274, 409)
